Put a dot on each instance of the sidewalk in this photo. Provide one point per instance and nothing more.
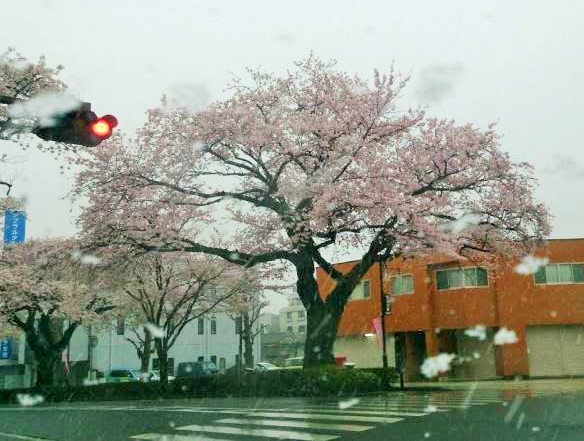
(543, 385)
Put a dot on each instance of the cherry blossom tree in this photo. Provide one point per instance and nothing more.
(47, 291)
(164, 292)
(305, 164)
(22, 81)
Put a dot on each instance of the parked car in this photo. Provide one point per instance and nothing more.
(155, 376)
(122, 376)
(264, 366)
(293, 363)
(192, 369)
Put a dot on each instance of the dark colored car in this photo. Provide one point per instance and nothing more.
(192, 369)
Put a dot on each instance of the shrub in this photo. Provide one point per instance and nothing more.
(317, 382)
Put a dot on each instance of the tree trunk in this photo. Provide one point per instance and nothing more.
(162, 352)
(322, 323)
(46, 364)
(146, 352)
(247, 340)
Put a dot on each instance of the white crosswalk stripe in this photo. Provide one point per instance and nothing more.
(267, 433)
(303, 424)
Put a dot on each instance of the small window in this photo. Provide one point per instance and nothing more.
(366, 289)
(289, 315)
(402, 284)
(155, 364)
(236, 359)
(214, 359)
(120, 325)
(200, 326)
(222, 363)
(213, 326)
(238, 325)
(560, 273)
(300, 314)
(301, 329)
(290, 329)
(201, 358)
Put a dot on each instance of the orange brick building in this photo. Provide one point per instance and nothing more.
(434, 301)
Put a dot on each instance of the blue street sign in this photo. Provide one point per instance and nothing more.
(5, 349)
(14, 227)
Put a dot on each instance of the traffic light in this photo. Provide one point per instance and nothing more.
(80, 126)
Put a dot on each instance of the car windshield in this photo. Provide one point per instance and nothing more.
(304, 220)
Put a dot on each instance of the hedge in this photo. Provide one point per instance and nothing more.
(316, 382)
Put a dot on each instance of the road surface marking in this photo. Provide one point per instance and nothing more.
(302, 424)
(365, 412)
(168, 437)
(23, 437)
(322, 416)
(268, 433)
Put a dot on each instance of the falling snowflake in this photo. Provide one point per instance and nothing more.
(463, 222)
(531, 264)
(156, 331)
(427, 435)
(479, 331)
(436, 365)
(349, 403)
(430, 408)
(28, 400)
(505, 336)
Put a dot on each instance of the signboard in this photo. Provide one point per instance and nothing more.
(5, 349)
(14, 227)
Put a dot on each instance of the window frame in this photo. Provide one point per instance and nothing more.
(557, 265)
(405, 293)
(201, 326)
(213, 326)
(301, 314)
(462, 270)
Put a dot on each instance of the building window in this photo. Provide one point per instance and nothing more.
(213, 326)
(214, 359)
(402, 284)
(560, 273)
(236, 359)
(300, 314)
(201, 358)
(301, 329)
(461, 278)
(366, 289)
(361, 291)
(170, 363)
(290, 329)
(238, 325)
(200, 326)
(289, 315)
(222, 364)
(120, 325)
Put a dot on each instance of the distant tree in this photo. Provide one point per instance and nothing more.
(302, 166)
(164, 292)
(246, 309)
(46, 291)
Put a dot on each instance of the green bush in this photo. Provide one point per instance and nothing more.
(316, 382)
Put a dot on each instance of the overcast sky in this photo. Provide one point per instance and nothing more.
(516, 63)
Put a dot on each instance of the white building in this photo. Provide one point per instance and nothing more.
(293, 316)
(214, 337)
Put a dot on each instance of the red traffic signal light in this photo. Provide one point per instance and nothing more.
(102, 127)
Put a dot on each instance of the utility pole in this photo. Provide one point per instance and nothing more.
(383, 304)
